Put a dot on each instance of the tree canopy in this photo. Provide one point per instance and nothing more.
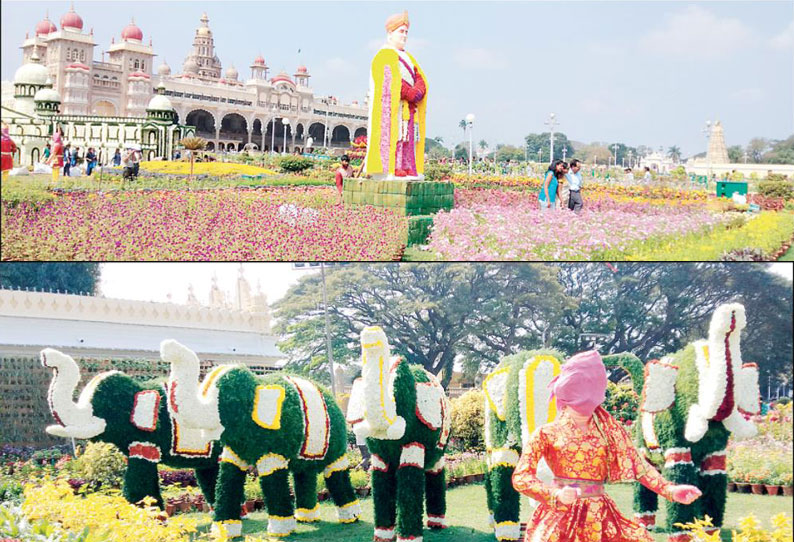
(71, 278)
(442, 314)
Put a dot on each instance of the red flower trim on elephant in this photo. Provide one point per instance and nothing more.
(144, 450)
(317, 423)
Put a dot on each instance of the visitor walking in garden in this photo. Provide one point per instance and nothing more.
(67, 160)
(8, 150)
(56, 160)
(585, 447)
(117, 158)
(574, 179)
(628, 176)
(647, 178)
(343, 172)
(46, 154)
(129, 163)
(90, 161)
(137, 156)
(548, 190)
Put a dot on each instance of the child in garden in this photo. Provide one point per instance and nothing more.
(586, 448)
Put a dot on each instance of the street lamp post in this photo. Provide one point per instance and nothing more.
(470, 126)
(631, 154)
(616, 147)
(328, 334)
(551, 123)
(745, 156)
(540, 156)
(285, 122)
(564, 152)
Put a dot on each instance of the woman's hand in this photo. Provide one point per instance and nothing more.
(685, 494)
(567, 495)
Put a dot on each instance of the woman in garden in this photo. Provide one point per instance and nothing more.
(548, 190)
(56, 160)
(586, 448)
(8, 150)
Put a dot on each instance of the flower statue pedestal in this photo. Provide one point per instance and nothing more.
(415, 199)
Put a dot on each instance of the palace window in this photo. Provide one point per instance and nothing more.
(68, 54)
(143, 65)
(82, 56)
(136, 64)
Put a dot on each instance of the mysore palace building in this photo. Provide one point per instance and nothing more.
(124, 98)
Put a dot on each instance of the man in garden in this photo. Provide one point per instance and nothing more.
(575, 186)
(343, 172)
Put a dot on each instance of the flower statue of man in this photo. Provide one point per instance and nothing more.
(397, 106)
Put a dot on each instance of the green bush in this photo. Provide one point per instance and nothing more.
(622, 402)
(359, 478)
(101, 465)
(468, 420)
(776, 189)
(679, 172)
(435, 171)
(776, 177)
(295, 164)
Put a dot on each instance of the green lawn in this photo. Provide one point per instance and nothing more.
(468, 518)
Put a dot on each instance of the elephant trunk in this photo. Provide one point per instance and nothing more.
(380, 419)
(75, 420)
(190, 408)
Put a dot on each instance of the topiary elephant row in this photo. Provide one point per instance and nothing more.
(281, 425)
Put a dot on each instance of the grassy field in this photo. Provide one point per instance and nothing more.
(468, 517)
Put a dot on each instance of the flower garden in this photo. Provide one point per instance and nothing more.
(248, 210)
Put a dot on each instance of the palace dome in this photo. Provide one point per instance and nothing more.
(132, 32)
(302, 69)
(160, 103)
(190, 66)
(231, 73)
(45, 27)
(47, 95)
(259, 61)
(32, 73)
(164, 69)
(204, 31)
(72, 21)
(282, 77)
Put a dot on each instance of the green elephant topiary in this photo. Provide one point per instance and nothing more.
(518, 401)
(280, 424)
(404, 414)
(134, 417)
(692, 401)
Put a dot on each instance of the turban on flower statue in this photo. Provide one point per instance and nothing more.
(581, 384)
(396, 21)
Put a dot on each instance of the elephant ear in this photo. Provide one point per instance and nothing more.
(748, 393)
(536, 406)
(495, 388)
(658, 394)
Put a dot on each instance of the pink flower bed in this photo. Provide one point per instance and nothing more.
(281, 224)
(497, 225)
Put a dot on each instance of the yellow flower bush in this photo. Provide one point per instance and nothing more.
(209, 168)
(108, 517)
(766, 232)
(750, 530)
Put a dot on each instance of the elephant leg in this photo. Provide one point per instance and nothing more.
(141, 481)
(384, 495)
(278, 499)
(489, 500)
(410, 489)
(646, 503)
(337, 479)
(228, 496)
(306, 508)
(506, 500)
(713, 482)
(207, 478)
(678, 468)
(436, 495)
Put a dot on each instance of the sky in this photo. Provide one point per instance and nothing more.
(640, 73)
(156, 281)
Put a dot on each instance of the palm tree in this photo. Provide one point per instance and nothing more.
(674, 153)
(193, 144)
(463, 125)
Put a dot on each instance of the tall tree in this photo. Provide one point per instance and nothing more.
(735, 154)
(674, 153)
(540, 142)
(71, 278)
(782, 152)
(756, 148)
(434, 314)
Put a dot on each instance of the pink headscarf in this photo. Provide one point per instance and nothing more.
(581, 384)
(56, 137)
(5, 131)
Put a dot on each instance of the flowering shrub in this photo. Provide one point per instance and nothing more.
(101, 465)
(496, 226)
(468, 420)
(267, 224)
(104, 516)
(210, 168)
(702, 530)
(622, 402)
(180, 477)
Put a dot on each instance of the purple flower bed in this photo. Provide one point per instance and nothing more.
(281, 224)
(497, 225)
(184, 477)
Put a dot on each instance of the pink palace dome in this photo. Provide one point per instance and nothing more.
(132, 32)
(45, 27)
(72, 20)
